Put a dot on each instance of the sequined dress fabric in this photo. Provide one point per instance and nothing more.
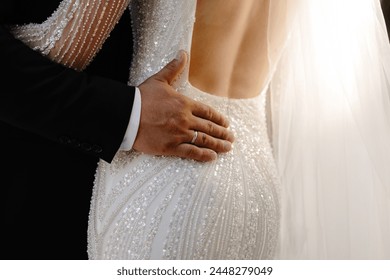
(153, 207)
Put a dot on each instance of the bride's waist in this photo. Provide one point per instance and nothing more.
(237, 89)
(250, 110)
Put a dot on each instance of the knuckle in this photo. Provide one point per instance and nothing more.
(171, 146)
(171, 66)
(177, 122)
(209, 113)
(176, 139)
(182, 120)
(171, 125)
(204, 140)
(223, 134)
(179, 104)
(216, 117)
(211, 128)
(191, 152)
(206, 156)
(218, 146)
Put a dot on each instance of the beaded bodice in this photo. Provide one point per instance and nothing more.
(162, 28)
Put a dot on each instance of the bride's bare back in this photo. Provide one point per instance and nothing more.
(229, 47)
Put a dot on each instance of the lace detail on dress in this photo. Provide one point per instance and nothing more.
(75, 32)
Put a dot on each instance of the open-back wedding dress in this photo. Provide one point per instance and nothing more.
(323, 192)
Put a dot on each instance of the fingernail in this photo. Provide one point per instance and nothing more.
(179, 55)
(214, 155)
(227, 145)
(231, 137)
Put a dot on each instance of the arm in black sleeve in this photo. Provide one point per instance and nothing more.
(58, 103)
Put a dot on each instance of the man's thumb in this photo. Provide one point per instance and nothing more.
(174, 68)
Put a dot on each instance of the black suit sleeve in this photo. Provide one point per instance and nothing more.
(7, 9)
(37, 95)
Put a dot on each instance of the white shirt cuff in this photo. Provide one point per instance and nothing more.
(132, 128)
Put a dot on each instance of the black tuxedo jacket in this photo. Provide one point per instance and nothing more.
(54, 125)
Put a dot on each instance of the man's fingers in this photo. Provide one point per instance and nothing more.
(205, 112)
(209, 128)
(205, 141)
(173, 69)
(193, 152)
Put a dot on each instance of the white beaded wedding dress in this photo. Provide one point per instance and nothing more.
(168, 208)
(322, 192)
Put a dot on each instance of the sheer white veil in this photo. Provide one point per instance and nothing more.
(330, 109)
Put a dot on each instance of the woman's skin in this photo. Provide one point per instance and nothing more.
(229, 47)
